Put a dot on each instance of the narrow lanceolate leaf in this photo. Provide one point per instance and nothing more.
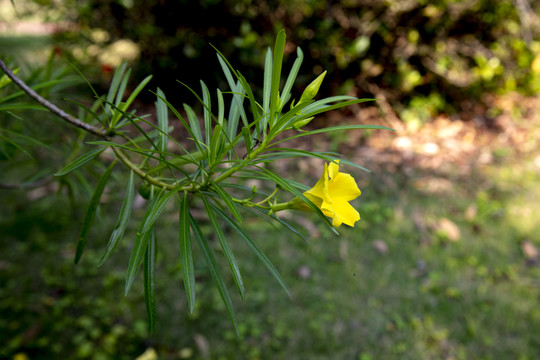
(122, 88)
(193, 123)
(186, 253)
(163, 121)
(214, 270)
(224, 195)
(207, 113)
(115, 83)
(80, 161)
(236, 110)
(91, 212)
(130, 100)
(5, 80)
(255, 248)
(221, 107)
(247, 139)
(150, 280)
(286, 93)
(215, 145)
(154, 209)
(123, 221)
(279, 47)
(334, 128)
(267, 85)
(227, 251)
(286, 225)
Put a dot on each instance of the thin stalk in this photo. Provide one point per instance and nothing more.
(51, 107)
(245, 163)
(152, 180)
(268, 197)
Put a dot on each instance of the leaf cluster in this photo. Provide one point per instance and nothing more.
(237, 137)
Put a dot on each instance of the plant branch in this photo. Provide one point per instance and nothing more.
(152, 180)
(50, 106)
(143, 175)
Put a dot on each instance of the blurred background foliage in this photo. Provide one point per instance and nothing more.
(445, 263)
(424, 57)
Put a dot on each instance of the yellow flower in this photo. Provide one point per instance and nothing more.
(332, 194)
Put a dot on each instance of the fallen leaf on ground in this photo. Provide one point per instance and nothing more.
(450, 229)
(529, 250)
(381, 247)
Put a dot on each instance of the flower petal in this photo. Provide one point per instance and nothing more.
(332, 194)
(321, 187)
(345, 213)
(343, 187)
(333, 169)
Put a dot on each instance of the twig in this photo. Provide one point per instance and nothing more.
(51, 107)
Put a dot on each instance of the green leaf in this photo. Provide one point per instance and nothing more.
(227, 251)
(122, 88)
(224, 195)
(129, 101)
(254, 105)
(42, 85)
(5, 80)
(264, 215)
(236, 110)
(150, 280)
(194, 123)
(154, 209)
(283, 153)
(214, 271)
(215, 145)
(123, 221)
(285, 121)
(21, 106)
(221, 107)
(91, 212)
(334, 128)
(309, 112)
(8, 154)
(207, 113)
(236, 88)
(91, 111)
(80, 161)
(163, 121)
(186, 253)
(267, 85)
(279, 47)
(117, 78)
(286, 93)
(255, 248)
(247, 139)
(186, 126)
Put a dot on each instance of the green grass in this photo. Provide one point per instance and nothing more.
(426, 298)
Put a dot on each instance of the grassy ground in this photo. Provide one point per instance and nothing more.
(431, 272)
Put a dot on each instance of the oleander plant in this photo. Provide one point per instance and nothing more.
(236, 138)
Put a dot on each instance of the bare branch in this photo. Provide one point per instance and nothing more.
(51, 107)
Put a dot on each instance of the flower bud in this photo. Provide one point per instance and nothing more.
(312, 89)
